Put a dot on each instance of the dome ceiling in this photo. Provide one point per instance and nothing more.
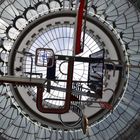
(32, 29)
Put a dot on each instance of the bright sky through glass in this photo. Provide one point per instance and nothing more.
(60, 40)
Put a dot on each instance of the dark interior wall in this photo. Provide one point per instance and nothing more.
(1, 138)
(136, 3)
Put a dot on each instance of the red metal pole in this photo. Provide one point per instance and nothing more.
(79, 27)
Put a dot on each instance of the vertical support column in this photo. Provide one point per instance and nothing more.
(78, 28)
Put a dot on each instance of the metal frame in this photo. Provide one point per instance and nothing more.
(45, 50)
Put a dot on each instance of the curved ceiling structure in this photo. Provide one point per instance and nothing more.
(27, 26)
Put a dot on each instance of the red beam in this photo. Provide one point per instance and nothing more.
(79, 27)
(106, 105)
(66, 107)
